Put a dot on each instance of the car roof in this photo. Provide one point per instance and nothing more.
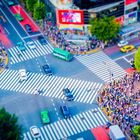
(21, 70)
(46, 65)
(34, 129)
(44, 111)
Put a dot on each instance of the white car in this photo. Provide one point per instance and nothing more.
(31, 44)
(35, 132)
(122, 43)
(22, 74)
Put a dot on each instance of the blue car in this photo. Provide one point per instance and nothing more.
(68, 94)
(65, 111)
(21, 46)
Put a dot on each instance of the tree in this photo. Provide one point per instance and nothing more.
(137, 60)
(30, 4)
(9, 128)
(105, 28)
(39, 11)
(136, 130)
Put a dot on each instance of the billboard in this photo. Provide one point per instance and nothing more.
(127, 2)
(70, 17)
(120, 20)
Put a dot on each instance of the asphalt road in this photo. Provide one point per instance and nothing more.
(28, 107)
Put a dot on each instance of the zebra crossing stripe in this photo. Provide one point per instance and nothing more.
(86, 120)
(65, 128)
(54, 131)
(52, 134)
(100, 64)
(47, 132)
(89, 115)
(58, 130)
(66, 124)
(52, 86)
(61, 129)
(29, 53)
(44, 134)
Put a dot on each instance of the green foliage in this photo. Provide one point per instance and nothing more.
(39, 11)
(136, 130)
(9, 128)
(30, 4)
(105, 28)
(137, 60)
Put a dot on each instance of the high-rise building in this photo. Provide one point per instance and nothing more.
(125, 11)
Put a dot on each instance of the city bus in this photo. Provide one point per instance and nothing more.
(63, 54)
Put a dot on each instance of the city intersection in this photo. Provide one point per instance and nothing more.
(84, 76)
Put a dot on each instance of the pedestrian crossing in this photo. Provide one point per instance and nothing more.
(74, 125)
(101, 65)
(27, 54)
(51, 86)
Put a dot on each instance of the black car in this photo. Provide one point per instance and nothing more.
(47, 69)
(68, 94)
(65, 111)
(28, 28)
(42, 40)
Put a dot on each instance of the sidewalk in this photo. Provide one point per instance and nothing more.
(3, 59)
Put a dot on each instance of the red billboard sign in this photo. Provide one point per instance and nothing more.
(70, 17)
(127, 2)
(120, 20)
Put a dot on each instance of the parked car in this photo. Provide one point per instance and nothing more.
(122, 43)
(10, 2)
(45, 117)
(19, 17)
(47, 69)
(35, 132)
(127, 48)
(42, 40)
(65, 111)
(21, 46)
(68, 94)
(31, 44)
(22, 74)
(28, 28)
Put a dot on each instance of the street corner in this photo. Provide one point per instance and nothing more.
(3, 59)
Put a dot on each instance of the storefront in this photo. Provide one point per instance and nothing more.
(130, 12)
(131, 18)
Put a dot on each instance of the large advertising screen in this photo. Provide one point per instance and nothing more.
(70, 17)
(127, 2)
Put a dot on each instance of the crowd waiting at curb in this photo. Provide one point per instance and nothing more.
(119, 100)
(58, 38)
(3, 56)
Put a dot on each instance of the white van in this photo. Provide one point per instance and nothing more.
(22, 74)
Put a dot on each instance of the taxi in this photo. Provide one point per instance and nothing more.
(127, 48)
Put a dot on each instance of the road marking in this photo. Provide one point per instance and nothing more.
(124, 56)
(6, 30)
(11, 24)
(126, 59)
(30, 36)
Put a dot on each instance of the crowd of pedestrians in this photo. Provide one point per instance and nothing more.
(60, 39)
(3, 56)
(120, 99)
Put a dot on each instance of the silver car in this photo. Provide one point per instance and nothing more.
(35, 132)
(31, 44)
